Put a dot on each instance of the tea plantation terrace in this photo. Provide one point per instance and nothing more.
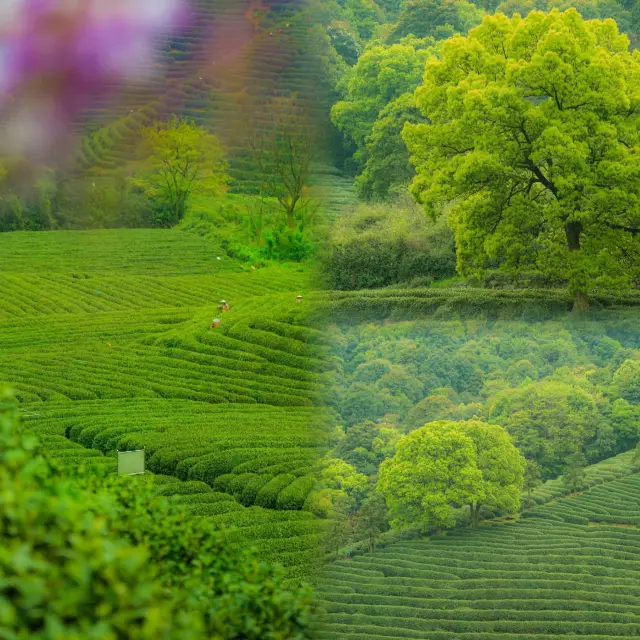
(210, 83)
(565, 570)
(105, 338)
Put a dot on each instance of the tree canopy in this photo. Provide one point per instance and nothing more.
(620, 10)
(446, 465)
(549, 420)
(533, 148)
(382, 75)
(432, 473)
(435, 18)
(184, 159)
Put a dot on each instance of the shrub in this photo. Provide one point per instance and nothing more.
(294, 496)
(94, 557)
(267, 496)
(381, 245)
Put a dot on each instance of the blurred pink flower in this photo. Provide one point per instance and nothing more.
(57, 56)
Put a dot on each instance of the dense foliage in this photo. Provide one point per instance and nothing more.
(382, 245)
(107, 336)
(563, 389)
(372, 113)
(547, 187)
(435, 18)
(534, 142)
(89, 556)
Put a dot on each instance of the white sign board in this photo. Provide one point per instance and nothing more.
(131, 463)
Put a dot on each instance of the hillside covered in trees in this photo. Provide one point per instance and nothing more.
(358, 280)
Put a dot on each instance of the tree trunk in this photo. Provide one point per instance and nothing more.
(438, 531)
(475, 512)
(291, 216)
(573, 231)
(580, 302)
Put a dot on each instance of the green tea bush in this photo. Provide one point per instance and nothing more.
(294, 496)
(87, 557)
(268, 495)
(105, 336)
(234, 448)
(380, 245)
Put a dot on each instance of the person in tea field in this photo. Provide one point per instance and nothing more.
(224, 306)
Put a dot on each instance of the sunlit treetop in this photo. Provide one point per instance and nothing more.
(534, 148)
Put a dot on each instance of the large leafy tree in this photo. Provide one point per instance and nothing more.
(534, 148)
(532, 478)
(500, 463)
(372, 519)
(446, 465)
(626, 381)
(574, 475)
(433, 472)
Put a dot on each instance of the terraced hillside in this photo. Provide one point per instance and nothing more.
(232, 54)
(565, 570)
(105, 338)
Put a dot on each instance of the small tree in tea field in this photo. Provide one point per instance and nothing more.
(183, 160)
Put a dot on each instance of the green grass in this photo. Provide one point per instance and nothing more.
(550, 575)
(150, 252)
(105, 338)
(595, 474)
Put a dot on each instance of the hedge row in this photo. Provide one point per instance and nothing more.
(261, 455)
(541, 576)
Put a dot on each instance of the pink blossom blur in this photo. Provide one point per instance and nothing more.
(57, 56)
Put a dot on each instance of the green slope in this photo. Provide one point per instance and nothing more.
(105, 338)
(567, 570)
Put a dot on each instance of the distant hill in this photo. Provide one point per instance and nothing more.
(233, 53)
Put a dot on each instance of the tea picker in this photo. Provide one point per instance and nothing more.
(223, 306)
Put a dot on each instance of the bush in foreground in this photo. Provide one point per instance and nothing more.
(90, 557)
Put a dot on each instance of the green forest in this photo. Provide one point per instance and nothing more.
(358, 281)
(563, 389)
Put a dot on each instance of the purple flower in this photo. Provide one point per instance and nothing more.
(57, 56)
